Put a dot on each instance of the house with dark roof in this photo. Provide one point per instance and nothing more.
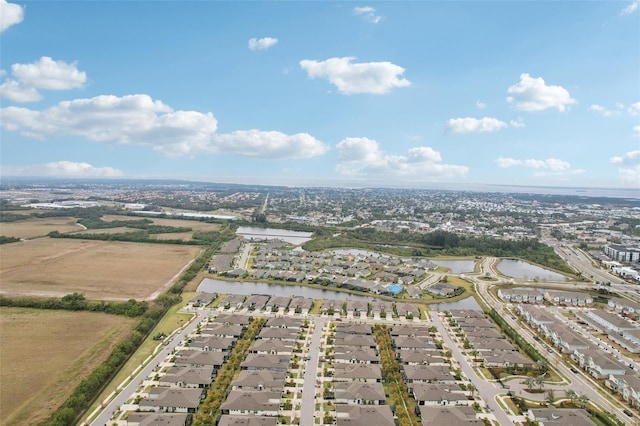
(250, 420)
(187, 377)
(158, 419)
(450, 416)
(359, 393)
(258, 403)
(259, 380)
(364, 415)
(344, 372)
(172, 400)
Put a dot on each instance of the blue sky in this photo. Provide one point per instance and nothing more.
(404, 94)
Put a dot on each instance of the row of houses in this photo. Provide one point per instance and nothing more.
(257, 393)
(588, 356)
(486, 342)
(539, 296)
(179, 386)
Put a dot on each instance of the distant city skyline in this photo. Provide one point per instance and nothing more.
(427, 94)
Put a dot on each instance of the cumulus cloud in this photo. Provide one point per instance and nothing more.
(628, 167)
(44, 74)
(636, 131)
(517, 123)
(632, 7)
(480, 105)
(262, 43)
(10, 14)
(551, 167)
(362, 157)
(532, 94)
(368, 13)
(474, 125)
(269, 144)
(354, 78)
(140, 120)
(61, 169)
(634, 109)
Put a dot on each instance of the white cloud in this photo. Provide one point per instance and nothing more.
(628, 167)
(262, 43)
(608, 112)
(368, 13)
(634, 109)
(140, 120)
(532, 94)
(552, 164)
(474, 125)
(61, 169)
(362, 157)
(632, 7)
(636, 131)
(269, 144)
(517, 123)
(10, 14)
(45, 74)
(480, 105)
(551, 167)
(353, 78)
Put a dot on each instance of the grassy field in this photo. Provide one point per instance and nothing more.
(99, 269)
(45, 354)
(32, 228)
(193, 224)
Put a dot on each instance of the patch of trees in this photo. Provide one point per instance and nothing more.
(6, 240)
(132, 237)
(142, 224)
(77, 302)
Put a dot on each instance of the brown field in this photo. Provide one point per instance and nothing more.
(45, 354)
(193, 224)
(120, 230)
(99, 269)
(32, 228)
(184, 236)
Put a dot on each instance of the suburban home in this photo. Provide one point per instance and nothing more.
(350, 328)
(359, 393)
(252, 420)
(370, 373)
(259, 403)
(438, 394)
(627, 385)
(201, 358)
(419, 357)
(364, 415)
(271, 346)
(410, 331)
(212, 343)
(260, 380)
(359, 355)
(223, 330)
(287, 334)
(356, 340)
(266, 362)
(597, 364)
(233, 319)
(188, 377)
(201, 300)
(164, 419)
(427, 374)
(171, 400)
(450, 416)
(558, 417)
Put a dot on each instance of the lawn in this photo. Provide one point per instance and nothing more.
(45, 354)
(98, 269)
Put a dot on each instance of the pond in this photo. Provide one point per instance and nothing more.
(293, 237)
(456, 266)
(209, 285)
(521, 269)
(468, 303)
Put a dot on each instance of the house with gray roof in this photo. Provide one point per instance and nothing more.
(250, 420)
(560, 417)
(360, 355)
(201, 358)
(344, 372)
(172, 400)
(212, 343)
(260, 380)
(364, 415)
(266, 362)
(438, 394)
(419, 357)
(356, 340)
(288, 334)
(258, 403)
(271, 346)
(359, 393)
(187, 377)
(232, 319)
(427, 373)
(201, 300)
(158, 419)
(450, 416)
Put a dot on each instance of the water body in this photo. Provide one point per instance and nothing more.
(456, 266)
(209, 285)
(520, 269)
(293, 237)
(468, 303)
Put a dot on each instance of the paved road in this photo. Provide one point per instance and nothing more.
(126, 393)
(307, 409)
(487, 390)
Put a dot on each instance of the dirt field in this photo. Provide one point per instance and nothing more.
(32, 228)
(184, 236)
(99, 269)
(45, 354)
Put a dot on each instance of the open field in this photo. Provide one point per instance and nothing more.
(193, 224)
(99, 269)
(45, 354)
(120, 230)
(32, 228)
(184, 236)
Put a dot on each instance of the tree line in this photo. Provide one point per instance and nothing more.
(77, 302)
